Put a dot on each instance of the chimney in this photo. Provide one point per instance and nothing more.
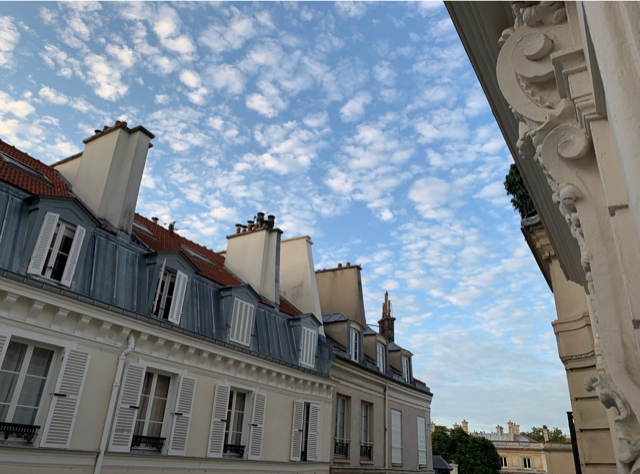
(340, 291)
(456, 425)
(499, 430)
(172, 226)
(254, 256)
(386, 324)
(433, 426)
(155, 220)
(260, 220)
(106, 176)
(516, 429)
(297, 276)
(545, 433)
(465, 426)
(511, 433)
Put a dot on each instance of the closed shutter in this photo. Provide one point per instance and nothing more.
(422, 441)
(155, 300)
(3, 347)
(241, 322)
(396, 437)
(314, 432)
(218, 421)
(43, 243)
(182, 417)
(297, 430)
(127, 408)
(178, 297)
(74, 254)
(66, 398)
(257, 426)
(308, 349)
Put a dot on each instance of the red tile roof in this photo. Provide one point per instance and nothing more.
(22, 180)
(419, 381)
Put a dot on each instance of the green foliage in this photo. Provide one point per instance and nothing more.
(472, 454)
(520, 199)
(555, 435)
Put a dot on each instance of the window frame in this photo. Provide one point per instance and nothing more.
(169, 401)
(503, 461)
(54, 250)
(399, 445)
(526, 461)
(366, 438)
(381, 357)
(406, 373)
(247, 414)
(341, 399)
(160, 308)
(354, 347)
(422, 422)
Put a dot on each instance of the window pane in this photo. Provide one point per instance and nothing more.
(24, 415)
(157, 410)
(58, 267)
(40, 362)
(162, 386)
(4, 410)
(155, 429)
(67, 240)
(53, 241)
(31, 391)
(8, 383)
(15, 357)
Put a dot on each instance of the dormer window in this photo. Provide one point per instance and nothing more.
(57, 249)
(170, 292)
(308, 347)
(380, 357)
(241, 322)
(405, 369)
(354, 348)
(28, 170)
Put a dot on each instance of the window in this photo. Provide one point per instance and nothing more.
(341, 447)
(422, 441)
(306, 426)
(170, 293)
(57, 249)
(23, 376)
(241, 322)
(503, 461)
(153, 405)
(233, 429)
(28, 170)
(526, 463)
(396, 437)
(405, 369)
(365, 435)
(308, 347)
(380, 357)
(355, 345)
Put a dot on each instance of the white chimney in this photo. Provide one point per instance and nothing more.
(254, 257)
(298, 276)
(106, 176)
(545, 433)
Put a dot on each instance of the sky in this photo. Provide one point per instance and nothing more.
(360, 124)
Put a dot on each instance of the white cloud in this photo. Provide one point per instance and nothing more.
(104, 78)
(384, 73)
(442, 124)
(232, 36)
(161, 99)
(53, 96)
(354, 109)
(351, 9)
(226, 76)
(316, 120)
(18, 108)
(9, 37)
(123, 54)
(268, 102)
(190, 78)
(494, 192)
(167, 26)
(476, 103)
(198, 96)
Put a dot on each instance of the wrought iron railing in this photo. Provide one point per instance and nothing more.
(151, 441)
(341, 448)
(236, 450)
(574, 443)
(26, 432)
(365, 451)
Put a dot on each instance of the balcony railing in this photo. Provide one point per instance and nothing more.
(151, 441)
(26, 432)
(341, 448)
(365, 451)
(235, 450)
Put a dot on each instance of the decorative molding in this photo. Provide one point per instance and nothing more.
(587, 355)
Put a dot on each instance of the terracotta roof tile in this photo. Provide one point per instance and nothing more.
(287, 308)
(22, 180)
(419, 381)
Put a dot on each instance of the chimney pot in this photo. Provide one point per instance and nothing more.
(117, 123)
(124, 123)
(96, 131)
(260, 220)
(348, 264)
(172, 226)
(339, 265)
(155, 220)
(271, 219)
(106, 127)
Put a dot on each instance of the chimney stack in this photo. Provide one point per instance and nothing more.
(155, 220)
(516, 429)
(433, 426)
(545, 433)
(386, 324)
(465, 426)
(499, 430)
(511, 432)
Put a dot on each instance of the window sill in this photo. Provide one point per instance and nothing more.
(364, 462)
(396, 465)
(341, 460)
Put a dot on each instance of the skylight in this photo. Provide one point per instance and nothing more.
(28, 170)
(197, 256)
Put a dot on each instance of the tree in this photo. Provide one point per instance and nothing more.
(555, 435)
(472, 454)
(520, 199)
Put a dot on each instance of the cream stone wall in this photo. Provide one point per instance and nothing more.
(549, 458)
(340, 291)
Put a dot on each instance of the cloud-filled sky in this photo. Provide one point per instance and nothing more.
(360, 124)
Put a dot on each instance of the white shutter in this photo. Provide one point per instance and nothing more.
(127, 408)
(3, 347)
(308, 349)
(257, 426)
(43, 243)
(241, 322)
(74, 254)
(422, 441)
(218, 421)
(155, 300)
(396, 437)
(314, 432)
(182, 416)
(179, 291)
(297, 430)
(66, 398)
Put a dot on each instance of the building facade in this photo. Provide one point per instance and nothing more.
(562, 81)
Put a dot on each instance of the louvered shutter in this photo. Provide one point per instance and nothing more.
(128, 406)
(43, 243)
(257, 426)
(74, 254)
(314, 432)
(178, 297)
(308, 349)
(182, 416)
(422, 441)
(3, 347)
(241, 322)
(396, 437)
(155, 300)
(66, 399)
(297, 430)
(218, 421)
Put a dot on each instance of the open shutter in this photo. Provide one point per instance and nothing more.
(66, 398)
(3, 347)
(314, 432)
(297, 430)
(127, 408)
(182, 417)
(74, 254)
(396, 437)
(43, 243)
(422, 441)
(178, 297)
(257, 426)
(218, 421)
(155, 300)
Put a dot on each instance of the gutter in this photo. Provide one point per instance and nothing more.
(131, 342)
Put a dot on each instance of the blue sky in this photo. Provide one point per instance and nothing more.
(360, 124)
